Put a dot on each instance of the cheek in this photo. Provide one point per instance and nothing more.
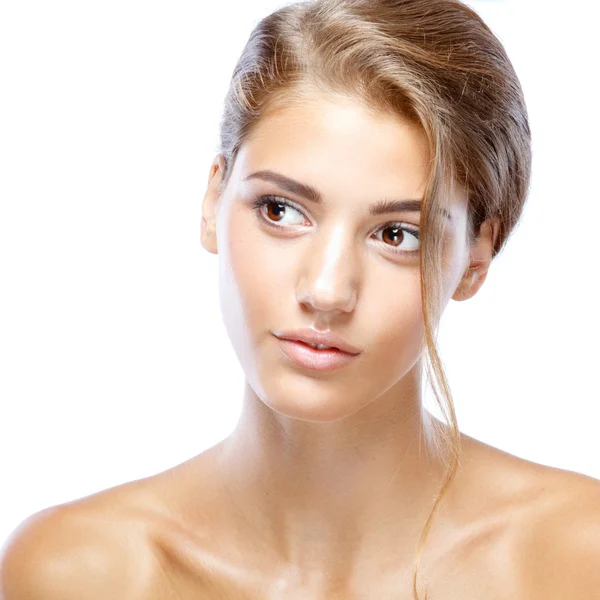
(405, 327)
(257, 273)
(395, 320)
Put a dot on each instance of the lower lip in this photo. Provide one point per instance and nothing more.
(305, 356)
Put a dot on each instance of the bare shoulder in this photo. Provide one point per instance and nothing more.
(551, 523)
(561, 541)
(84, 551)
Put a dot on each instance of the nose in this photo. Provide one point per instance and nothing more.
(328, 282)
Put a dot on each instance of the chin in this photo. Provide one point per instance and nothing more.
(308, 398)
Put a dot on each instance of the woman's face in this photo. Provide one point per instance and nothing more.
(334, 264)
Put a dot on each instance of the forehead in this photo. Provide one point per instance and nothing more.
(342, 139)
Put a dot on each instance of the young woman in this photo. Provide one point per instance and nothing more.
(375, 158)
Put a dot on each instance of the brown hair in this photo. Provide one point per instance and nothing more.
(434, 62)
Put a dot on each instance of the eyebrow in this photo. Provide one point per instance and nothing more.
(308, 192)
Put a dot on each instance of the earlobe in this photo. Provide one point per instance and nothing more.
(472, 280)
(468, 285)
(208, 239)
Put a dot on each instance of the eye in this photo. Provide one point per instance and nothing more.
(276, 210)
(398, 234)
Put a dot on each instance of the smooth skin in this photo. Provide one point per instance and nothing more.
(323, 488)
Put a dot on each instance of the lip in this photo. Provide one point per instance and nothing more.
(312, 336)
(310, 358)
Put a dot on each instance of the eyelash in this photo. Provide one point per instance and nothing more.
(261, 201)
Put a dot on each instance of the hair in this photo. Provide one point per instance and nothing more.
(434, 63)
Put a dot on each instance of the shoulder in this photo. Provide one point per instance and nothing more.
(65, 552)
(540, 525)
(560, 539)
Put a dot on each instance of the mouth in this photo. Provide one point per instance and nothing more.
(319, 340)
(306, 356)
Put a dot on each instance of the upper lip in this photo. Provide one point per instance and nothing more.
(312, 336)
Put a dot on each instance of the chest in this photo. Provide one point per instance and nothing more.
(472, 574)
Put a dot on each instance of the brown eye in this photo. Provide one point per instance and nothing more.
(395, 238)
(399, 237)
(275, 210)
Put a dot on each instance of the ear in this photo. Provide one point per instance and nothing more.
(480, 260)
(210, 205)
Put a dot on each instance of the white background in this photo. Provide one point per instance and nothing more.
(114, 363)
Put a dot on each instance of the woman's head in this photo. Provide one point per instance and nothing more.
(365, 101)
(431, 68)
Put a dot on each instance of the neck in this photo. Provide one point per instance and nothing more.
(324, 496)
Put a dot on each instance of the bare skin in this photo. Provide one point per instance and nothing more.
(323, 488)
(512, 529)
